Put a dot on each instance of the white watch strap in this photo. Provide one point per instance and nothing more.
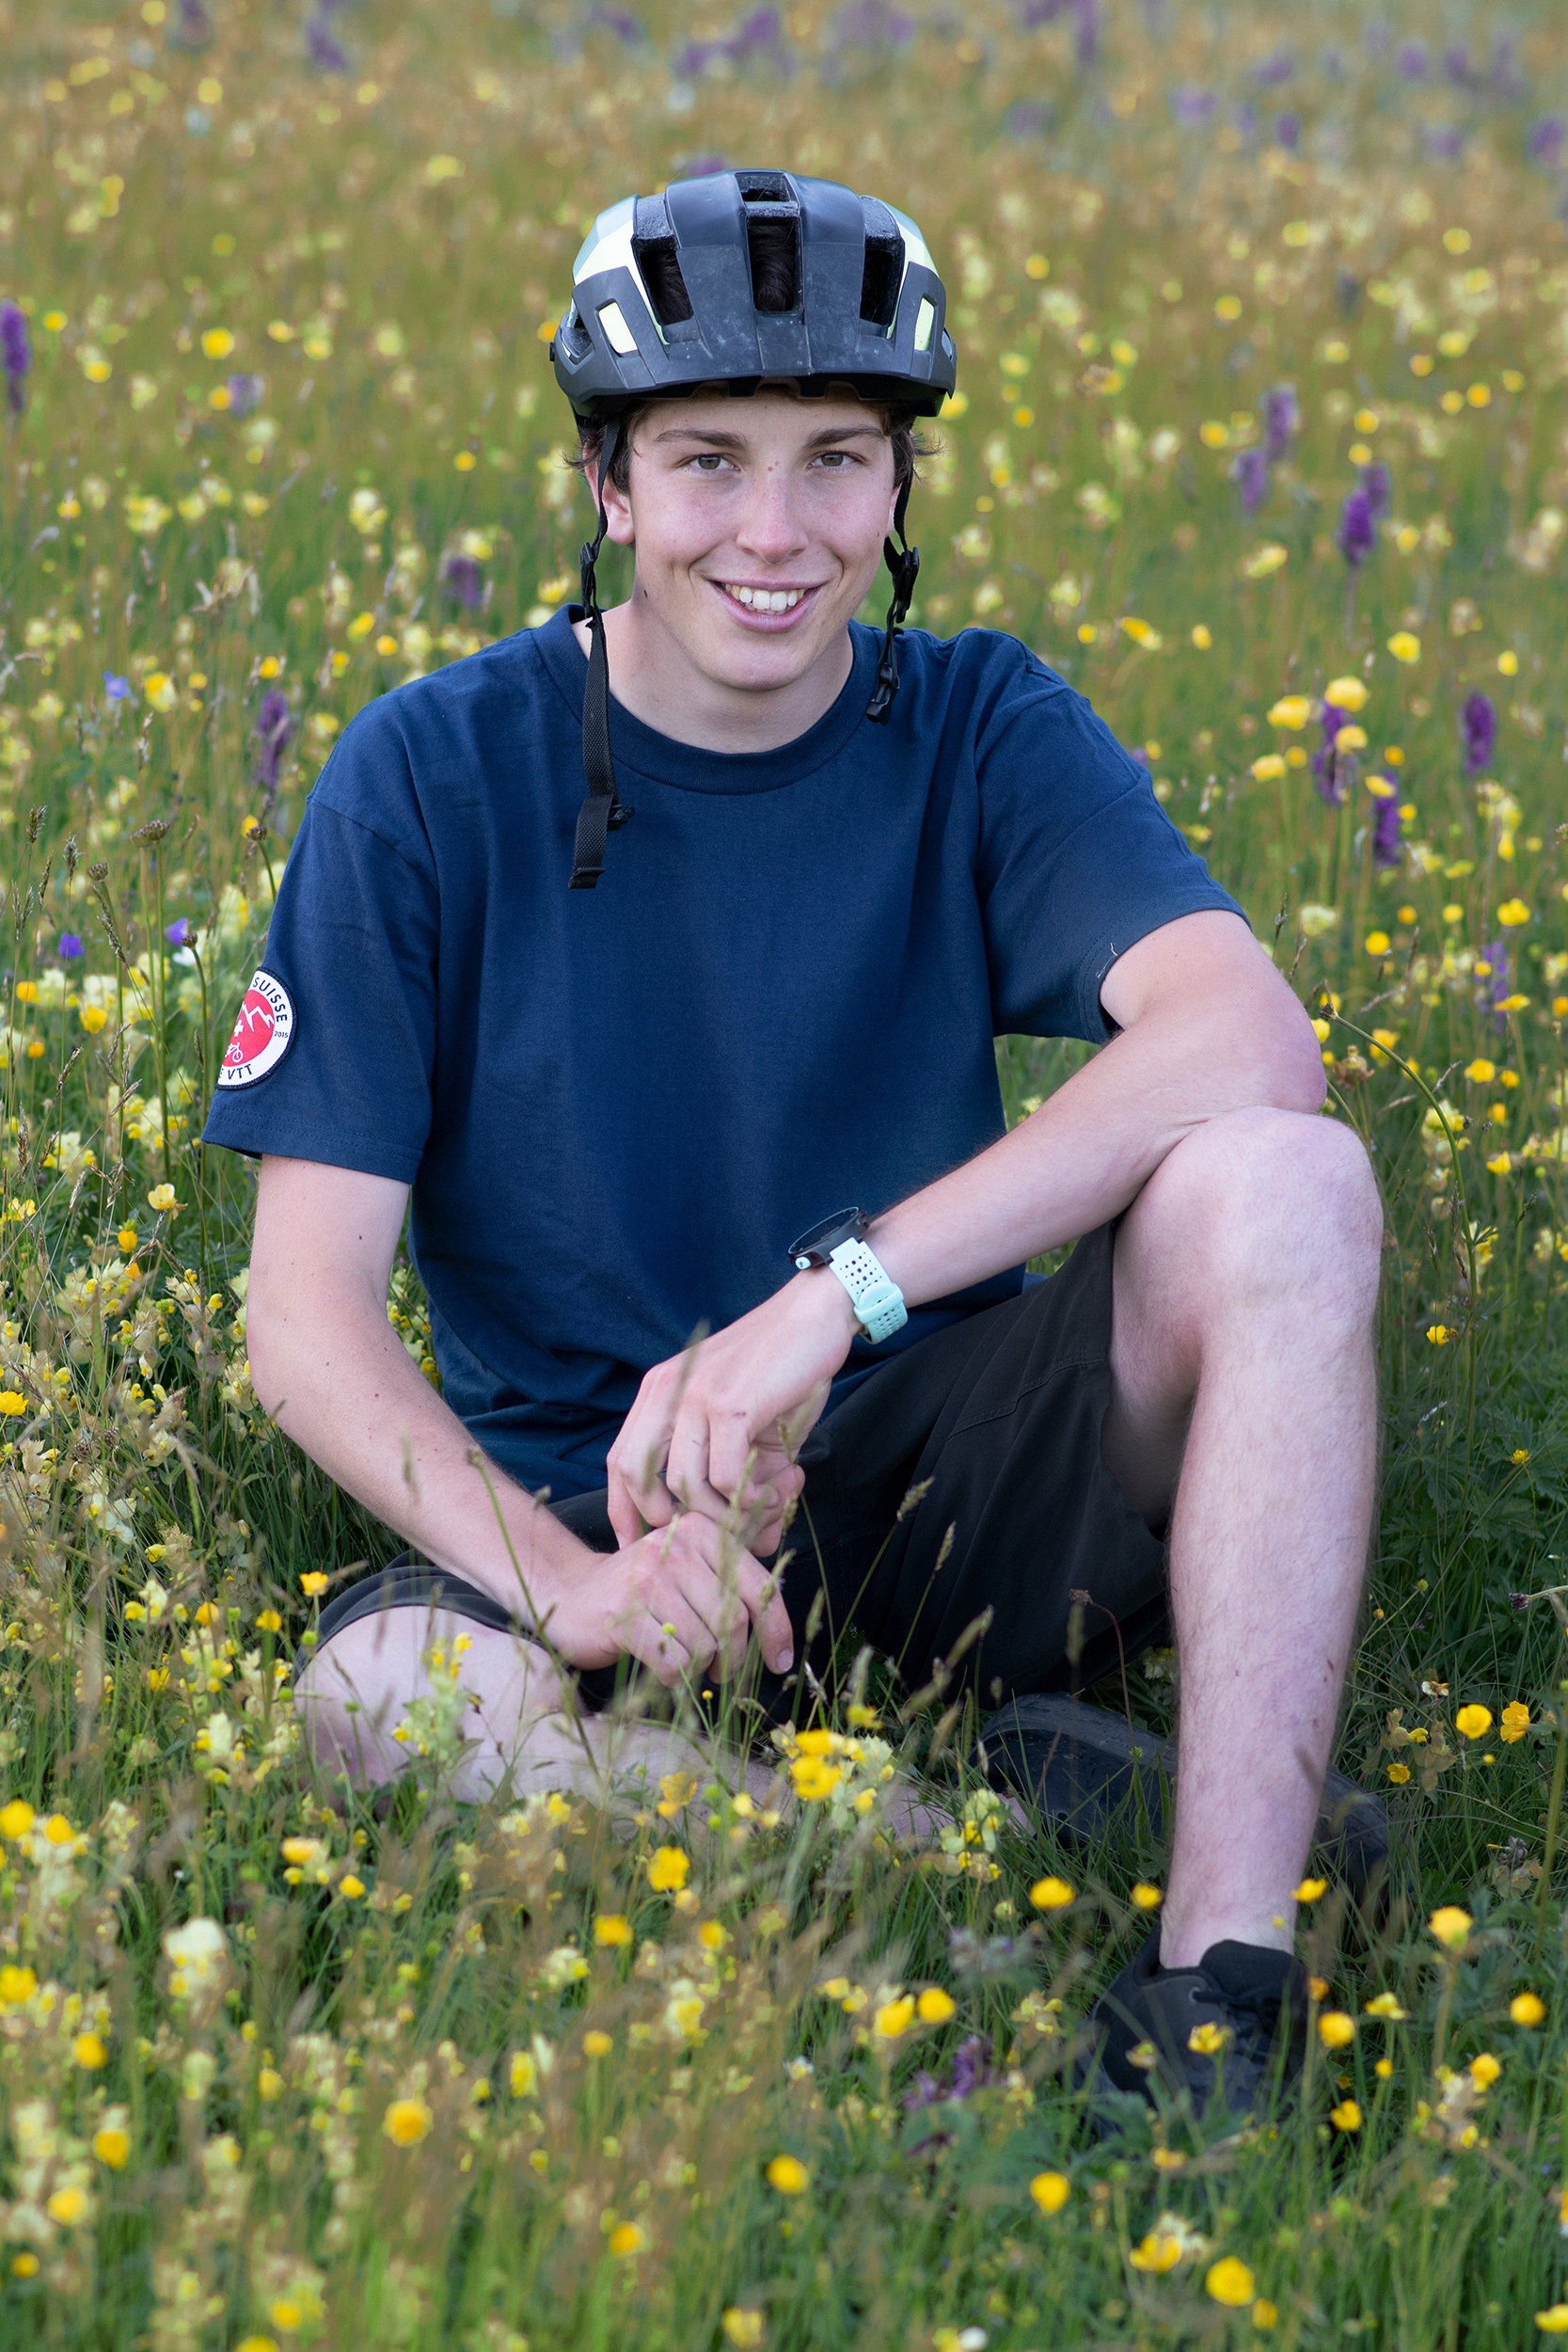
(878, 1301)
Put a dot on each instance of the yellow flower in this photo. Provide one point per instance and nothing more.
(1485, 2069)
(1386, 2006)
(1050, 1894)
(935, 2007)
(1051, 2191)
(1264, 561)
(126, 1237)
(88, 2052)
(894, 2017)
(611, 1928)
(1310, 1891)
(13, 1404)
(668, 1869)
(1554, 2321)
(596, 2044)
(1440, 1334)
(1451, 1926)
(1508, 664)
(92, 1018)
(523, 2079)
(1346, 693)
(68, 2206)
(1403, 646)
(1291, 710)
(217, 343)
(1335, 2030)
(1268, 767)
(406, 2122)
(1208, 2040)
(1229, 2282)
(1159, 2251)
(301, 1850)
(1473, 1722)
(1346, 2117)
(814, 1778)
(112, 2146)
(743, 2327)
(1527, 2009)
(1263, 2314)
(268, 1621)
(1399, 1775)
(1378, 942)
(1514, 912)
(16, 1985)
(1146, 1898)
(351, 1888)
(1201, 637)
(789, 2176)
(162, 1198)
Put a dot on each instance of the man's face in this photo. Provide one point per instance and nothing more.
(758, 526)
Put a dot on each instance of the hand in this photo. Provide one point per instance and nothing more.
(683, 1600)
(715, 1430)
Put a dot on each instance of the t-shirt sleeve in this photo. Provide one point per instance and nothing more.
(1076, 860)
(353, 944)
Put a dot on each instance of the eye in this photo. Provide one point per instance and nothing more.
(835, 460)
(708, 461)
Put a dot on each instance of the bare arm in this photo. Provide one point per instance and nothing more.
(1208, 1026)
(336, 1377)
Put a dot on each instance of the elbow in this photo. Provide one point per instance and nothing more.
(264, 1344)
(1298, 1081)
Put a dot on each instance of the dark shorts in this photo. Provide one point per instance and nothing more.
(1001, 1415)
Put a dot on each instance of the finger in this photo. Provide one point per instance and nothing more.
(685, 1472)
(765, 1604)
(730, 1449)
(636, 1460)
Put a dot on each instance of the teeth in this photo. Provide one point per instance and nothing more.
(766, 599)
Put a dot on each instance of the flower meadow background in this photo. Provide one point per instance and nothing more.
(1261, 438)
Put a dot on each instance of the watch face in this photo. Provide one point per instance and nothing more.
(814, 1243)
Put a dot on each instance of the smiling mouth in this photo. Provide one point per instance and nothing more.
(764, 599)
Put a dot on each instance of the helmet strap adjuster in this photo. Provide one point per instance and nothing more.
(903, 562)
(602, 812)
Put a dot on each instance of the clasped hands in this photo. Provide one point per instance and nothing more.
(700, 1478)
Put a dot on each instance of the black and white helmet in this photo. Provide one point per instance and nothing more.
(747, 277)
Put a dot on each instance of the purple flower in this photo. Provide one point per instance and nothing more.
(1193, 107)
(1027, 118)
(1386, 832)
(16, 355)
(1281, 420)
(1495, 980)
(1347, 291)
(246, 392)
(617, 21)
(1545, 142)
(1326, 763)
(1250, 473)
(196, 26)
(117, 689)
(1411, 59)
(1457, 66)
(70, 946)
(274, 727)
(323, 48)
(1275, 68)
(177, 931)
(1287, 131)
(971, 2073)
(1085, 30)
(1357, 533)
(1508, 83)
(1445, 142)
(1378, 484)
(1478, 724)
(465, 579)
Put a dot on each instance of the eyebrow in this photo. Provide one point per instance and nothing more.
(718, 438)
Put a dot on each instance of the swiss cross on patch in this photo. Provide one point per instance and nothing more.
(263, 1034)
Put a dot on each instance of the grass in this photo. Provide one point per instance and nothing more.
(280, 2064)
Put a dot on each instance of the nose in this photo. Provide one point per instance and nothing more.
(771, 527)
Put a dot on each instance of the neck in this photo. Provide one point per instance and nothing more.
(653, 676)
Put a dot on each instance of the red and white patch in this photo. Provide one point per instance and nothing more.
(263, 1034)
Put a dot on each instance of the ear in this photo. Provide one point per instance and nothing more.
(617, 507)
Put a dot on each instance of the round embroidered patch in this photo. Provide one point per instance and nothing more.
(263, 1034)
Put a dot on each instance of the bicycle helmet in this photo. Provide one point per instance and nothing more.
(742, 279)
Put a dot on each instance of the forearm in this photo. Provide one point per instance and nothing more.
(1093, 1145)
(339, 1381)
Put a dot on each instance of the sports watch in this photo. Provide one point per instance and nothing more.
(839, 1242)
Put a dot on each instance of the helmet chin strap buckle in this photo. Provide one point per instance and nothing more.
(903, 562)
(602, 812)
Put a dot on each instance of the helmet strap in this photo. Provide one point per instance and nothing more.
(601, 812)
(903, 562)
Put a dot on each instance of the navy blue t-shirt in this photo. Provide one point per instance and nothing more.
(617, 1107)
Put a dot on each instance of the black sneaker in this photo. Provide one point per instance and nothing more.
(1231, 2030)
(1085, 1768)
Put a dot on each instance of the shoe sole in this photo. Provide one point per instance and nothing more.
(1086, 1770)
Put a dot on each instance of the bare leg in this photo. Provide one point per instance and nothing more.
(1245, 1280)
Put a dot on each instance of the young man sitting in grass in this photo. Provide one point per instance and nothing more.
(632, 1111)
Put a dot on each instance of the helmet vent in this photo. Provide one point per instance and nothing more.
(653, 250)
(884, 274)
(772, 239)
